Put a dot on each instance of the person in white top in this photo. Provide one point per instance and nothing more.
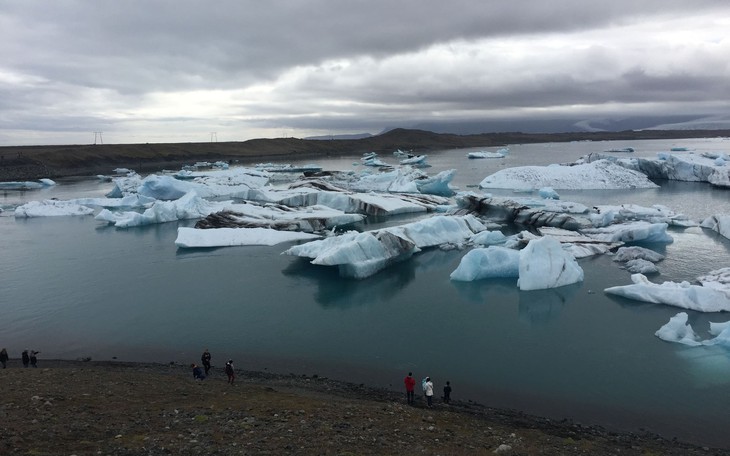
(429, 391)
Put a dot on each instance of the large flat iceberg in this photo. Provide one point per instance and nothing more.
(684, 295)
(228, 237)
(51, 208)
(602, 174)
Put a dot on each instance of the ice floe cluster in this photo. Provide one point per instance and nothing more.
(685, 166)
(323, 213)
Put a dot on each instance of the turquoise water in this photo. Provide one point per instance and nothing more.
(73, 287)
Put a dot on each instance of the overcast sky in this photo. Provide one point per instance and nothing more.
(176, 71)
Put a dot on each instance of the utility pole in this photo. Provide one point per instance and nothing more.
(213, 136)
(97, 136)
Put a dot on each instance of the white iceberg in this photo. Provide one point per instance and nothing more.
(678, 330)
(190, 206)
(228, 237)
(719, 279)
(488, 238)
(501, 153)
(641, 267)
(27, 185)
(601, 174)
(544, 264)
(624, 254)
(360, 255)
(688, 167)
(684, 295)
(719, 223)
(490, 262)
(51, 208)
(631, 232)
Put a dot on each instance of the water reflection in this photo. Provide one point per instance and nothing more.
(337, 292)
(542, 306)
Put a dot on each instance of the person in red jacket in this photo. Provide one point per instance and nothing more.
(410, 383)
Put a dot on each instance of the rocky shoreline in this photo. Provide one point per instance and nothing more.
(120, 408)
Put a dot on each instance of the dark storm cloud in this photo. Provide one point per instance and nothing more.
(299, 64)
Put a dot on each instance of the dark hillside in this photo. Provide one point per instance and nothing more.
(32, 162)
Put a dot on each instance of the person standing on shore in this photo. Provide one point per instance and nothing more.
(428, 389)
(410, 383)
(205, 359)
(34, 358)
(230, 372)
(25, 358)
(4, 357)
(447, 392)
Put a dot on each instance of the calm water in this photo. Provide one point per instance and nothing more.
(73, 287)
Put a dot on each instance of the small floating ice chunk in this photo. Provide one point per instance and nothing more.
(678, 330)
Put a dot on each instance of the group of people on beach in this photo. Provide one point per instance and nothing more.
(428, 388)
(29, 358)
(205, 358)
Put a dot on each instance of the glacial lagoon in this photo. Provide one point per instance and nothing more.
(75, 287)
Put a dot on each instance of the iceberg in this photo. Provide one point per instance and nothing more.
(631, 232)
(27, 185)
(684, 295)
(523, 211)
(228, 237)
(719, 223)
(308, 219)
(688, 167)
(359, 255)
(488, 238)
(189, 206)
(602, 174)
(51, 208)
(678, 330)
(371, 159)
(624, 254)
(544, 264)
(486, 263)
(501, 153)
(577, 244)
(641, 266)
(719, 279)
(548, 193)
(417, 161)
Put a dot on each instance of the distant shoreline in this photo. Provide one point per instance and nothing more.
(56, 161)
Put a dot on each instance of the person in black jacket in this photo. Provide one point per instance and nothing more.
(4, 357)
(26, 358)
(33, 358)
(205, 359)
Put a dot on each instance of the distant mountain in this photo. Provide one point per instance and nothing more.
(350, 136)
(598, 124)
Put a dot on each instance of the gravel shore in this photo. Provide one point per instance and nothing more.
(115, 408)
